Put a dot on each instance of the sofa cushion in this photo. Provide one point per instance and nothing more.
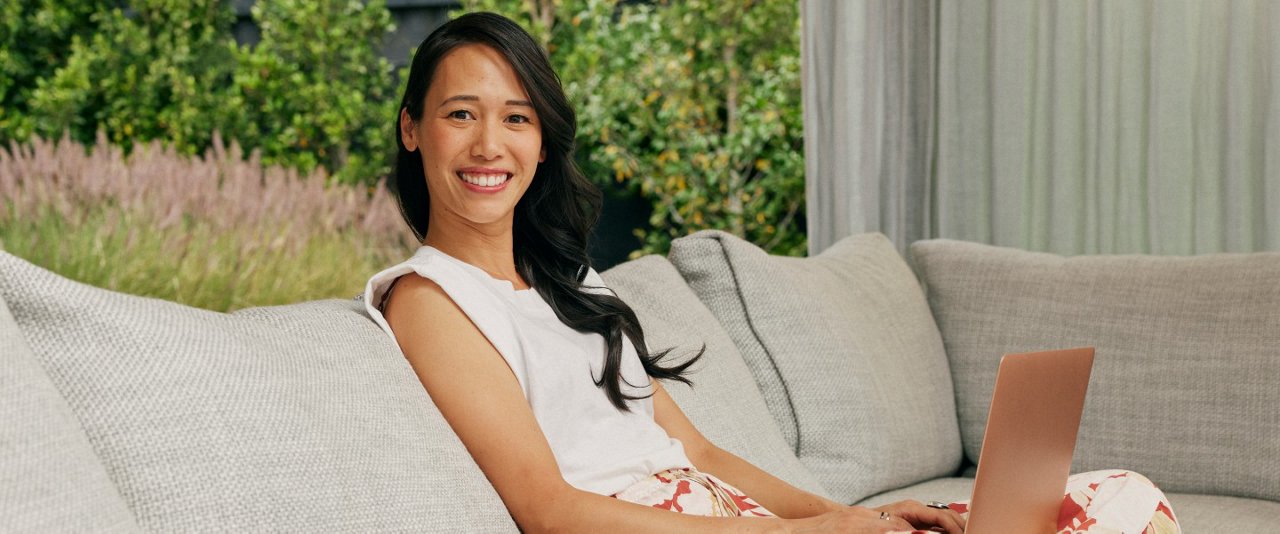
(291, 418)
(723, 403)
(845, 352)
(1184, 386)
(1196, 513)
(50, 479)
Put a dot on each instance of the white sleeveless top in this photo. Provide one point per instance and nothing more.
(598, 447)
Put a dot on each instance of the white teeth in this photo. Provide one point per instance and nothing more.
(483, 180)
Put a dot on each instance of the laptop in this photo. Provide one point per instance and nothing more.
(1029, 441)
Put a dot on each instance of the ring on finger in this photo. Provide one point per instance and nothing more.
(884, 516)
(938, 504)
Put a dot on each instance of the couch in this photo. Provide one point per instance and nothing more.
(853, 374)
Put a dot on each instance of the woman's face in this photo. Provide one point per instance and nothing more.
(480, 138)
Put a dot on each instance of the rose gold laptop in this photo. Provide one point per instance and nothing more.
(1030, 437)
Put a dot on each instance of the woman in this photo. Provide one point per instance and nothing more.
(538, 368)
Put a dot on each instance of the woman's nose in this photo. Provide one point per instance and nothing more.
(486, 144)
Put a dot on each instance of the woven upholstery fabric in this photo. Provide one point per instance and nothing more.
(845, 352)
(302, 418)
(1207, 514)
(1197, 514)
(50, 479)
(723, 403)
(1186, 377)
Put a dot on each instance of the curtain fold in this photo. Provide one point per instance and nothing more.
(1070, 127)
(868, 115)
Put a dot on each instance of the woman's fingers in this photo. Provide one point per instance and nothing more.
(853, 519)
(901, 523)
(950, 520)
(924, 517)
(892, 521)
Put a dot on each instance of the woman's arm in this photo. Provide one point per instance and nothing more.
(776, 494)
(771, 492)
(481, 399)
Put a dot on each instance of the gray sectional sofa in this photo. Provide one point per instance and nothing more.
(849, 374)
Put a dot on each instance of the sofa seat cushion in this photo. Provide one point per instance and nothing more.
(1197, 514)
(946, 489)
(50, 478)
(301, 418)
(845, 351)
(723, 403)
(1184, 386)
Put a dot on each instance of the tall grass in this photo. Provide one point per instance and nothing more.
(221, 232)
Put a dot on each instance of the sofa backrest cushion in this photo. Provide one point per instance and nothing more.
(1186, 378)
(292, 418)
(845, 351)
(50, 478)
(723, 403)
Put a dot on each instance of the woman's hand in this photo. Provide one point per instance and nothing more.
(926, 518)
(903, 516)
(851, 519)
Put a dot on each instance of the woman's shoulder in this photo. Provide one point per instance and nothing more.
(438, 278)
(425, 261)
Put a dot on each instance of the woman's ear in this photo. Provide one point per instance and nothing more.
(408, 135)
(542, 156)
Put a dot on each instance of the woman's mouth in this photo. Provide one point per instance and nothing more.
(485, 182)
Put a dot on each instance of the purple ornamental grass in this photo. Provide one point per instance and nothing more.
(220, 231)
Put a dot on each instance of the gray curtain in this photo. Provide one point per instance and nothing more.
(1071, 127)
(869, 78)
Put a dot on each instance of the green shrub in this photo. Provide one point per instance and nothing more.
(159, 72)
(316, 90)
(313, 92)
(35, 39)
(693, 104)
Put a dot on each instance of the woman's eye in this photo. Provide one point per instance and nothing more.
(518, 119)
(461, 115)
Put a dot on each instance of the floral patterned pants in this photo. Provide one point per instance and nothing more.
(693, 492)
(1097, 502)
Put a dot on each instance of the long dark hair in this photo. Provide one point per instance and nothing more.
(554, 218)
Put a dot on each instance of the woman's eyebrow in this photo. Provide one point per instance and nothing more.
(474, 98)
(455, 98)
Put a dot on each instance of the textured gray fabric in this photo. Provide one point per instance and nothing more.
(1208, 514)
(949, 489)
(723, 403)
(1184, 386)
(1197, 514)
(844, 350)
(300, 418)
(50, 479)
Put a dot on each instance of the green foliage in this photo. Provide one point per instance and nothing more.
(693, 104)
(316, 89)
(158, 72)
(313, 92)
(35, 38)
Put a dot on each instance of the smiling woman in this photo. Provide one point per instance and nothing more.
(542, 371)
(478, 135)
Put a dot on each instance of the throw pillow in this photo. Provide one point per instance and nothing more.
(845, 351)
(1187, 365)
(723, 402)
(50, 478)
(291, 418)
